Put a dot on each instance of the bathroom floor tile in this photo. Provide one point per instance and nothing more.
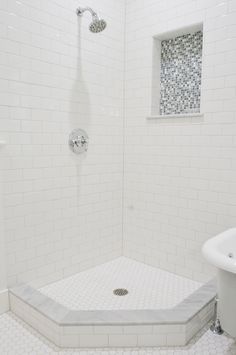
(17, 338)
(148, 287)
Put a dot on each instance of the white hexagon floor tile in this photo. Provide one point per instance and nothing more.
(17, 338)
(149, 287)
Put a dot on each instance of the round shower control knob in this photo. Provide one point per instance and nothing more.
(78, 141)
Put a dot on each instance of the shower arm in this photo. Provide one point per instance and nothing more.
(80, 11)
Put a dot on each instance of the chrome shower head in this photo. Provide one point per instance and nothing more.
(98, 24)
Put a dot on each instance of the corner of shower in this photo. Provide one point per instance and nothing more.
(117, 303)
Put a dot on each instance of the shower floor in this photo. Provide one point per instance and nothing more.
(148, 287)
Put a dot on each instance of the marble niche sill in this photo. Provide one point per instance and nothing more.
(184, 115)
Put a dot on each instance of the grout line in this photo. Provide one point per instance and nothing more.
(124, 95)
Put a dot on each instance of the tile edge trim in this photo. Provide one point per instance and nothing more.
(4, 301)
(179, 115)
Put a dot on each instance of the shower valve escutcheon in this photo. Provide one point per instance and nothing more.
(78, 141)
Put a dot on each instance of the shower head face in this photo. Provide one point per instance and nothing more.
(98, 25)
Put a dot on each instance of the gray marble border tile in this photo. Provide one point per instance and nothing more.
(180, 314)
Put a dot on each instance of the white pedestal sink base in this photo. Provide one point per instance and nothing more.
(227, 301)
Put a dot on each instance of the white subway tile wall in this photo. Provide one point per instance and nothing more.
(63, 213)
(180, 173)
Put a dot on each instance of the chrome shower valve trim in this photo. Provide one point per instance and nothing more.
(78, 141)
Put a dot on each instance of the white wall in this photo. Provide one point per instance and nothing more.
(180, 173)
(63, 213)
(3, 278)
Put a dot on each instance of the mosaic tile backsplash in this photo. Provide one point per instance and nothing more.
(181, 69)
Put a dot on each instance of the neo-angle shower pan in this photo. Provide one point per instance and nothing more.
(68, 328)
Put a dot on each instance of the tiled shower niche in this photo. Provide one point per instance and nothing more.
(177, 72)
(180, 74)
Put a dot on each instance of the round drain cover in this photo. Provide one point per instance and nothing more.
(120, 292)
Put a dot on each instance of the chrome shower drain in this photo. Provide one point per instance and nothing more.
(120, 292)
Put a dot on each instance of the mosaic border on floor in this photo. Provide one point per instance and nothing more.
(68, 328)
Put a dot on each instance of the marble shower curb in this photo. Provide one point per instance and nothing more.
(70, 328)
